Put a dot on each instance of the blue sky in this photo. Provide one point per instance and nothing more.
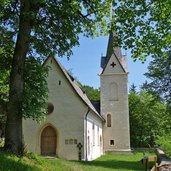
(85, 63)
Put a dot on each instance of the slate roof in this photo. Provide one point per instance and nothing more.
(104, 61)
(96, 104)
(77, 89)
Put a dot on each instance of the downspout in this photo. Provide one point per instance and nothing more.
(86, 131)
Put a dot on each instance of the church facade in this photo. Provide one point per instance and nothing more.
(77, 128)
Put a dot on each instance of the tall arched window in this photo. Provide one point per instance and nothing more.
(108, 120)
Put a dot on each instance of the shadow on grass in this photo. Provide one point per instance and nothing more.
(118, 165)
(12, 163)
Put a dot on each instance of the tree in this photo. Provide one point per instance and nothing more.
(133, 89)
(148, 119)
(159, 71)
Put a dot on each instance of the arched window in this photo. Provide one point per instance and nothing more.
(113, 91)
(108, 120)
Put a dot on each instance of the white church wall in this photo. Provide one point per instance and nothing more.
(94, 142)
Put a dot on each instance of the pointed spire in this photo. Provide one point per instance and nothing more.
(111, 49)
(116, 51)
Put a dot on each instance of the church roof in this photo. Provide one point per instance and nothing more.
(77, 89)
(111, 50)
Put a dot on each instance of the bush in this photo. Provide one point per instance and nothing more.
(34, 157)
(165, 143)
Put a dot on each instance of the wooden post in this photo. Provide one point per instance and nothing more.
(146, 164)
(147, 159)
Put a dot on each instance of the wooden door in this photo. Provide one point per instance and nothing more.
(48, 141)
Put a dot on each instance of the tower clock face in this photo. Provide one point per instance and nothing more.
(113, 64)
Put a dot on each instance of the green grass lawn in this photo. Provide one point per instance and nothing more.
(109, 162)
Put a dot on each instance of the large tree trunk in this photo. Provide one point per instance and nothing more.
(13, 130)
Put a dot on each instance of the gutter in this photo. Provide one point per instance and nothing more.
(86, 132)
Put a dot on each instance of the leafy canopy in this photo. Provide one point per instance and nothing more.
(34, 102)
(159, 72)
(143, 26)
(57, 24)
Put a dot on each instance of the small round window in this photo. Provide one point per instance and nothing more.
(50, 108)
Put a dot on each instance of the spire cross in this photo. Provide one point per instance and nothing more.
(113, 64)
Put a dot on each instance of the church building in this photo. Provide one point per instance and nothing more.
(77, 128)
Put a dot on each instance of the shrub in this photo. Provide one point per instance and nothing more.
(165, 143)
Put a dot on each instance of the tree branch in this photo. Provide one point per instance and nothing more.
(88, 14)
(94, 11)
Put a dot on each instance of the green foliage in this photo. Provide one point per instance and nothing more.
(34, 157)
(34, 102)
(133, 89)
(35, 90)
(165, 143)
(148, 119)
(92, 93)
(143, 26)
(159, 71)
(56, 24)
(6, 51)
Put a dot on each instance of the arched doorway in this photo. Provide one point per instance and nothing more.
(48, 141)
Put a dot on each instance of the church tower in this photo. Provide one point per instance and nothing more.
(114, 99)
